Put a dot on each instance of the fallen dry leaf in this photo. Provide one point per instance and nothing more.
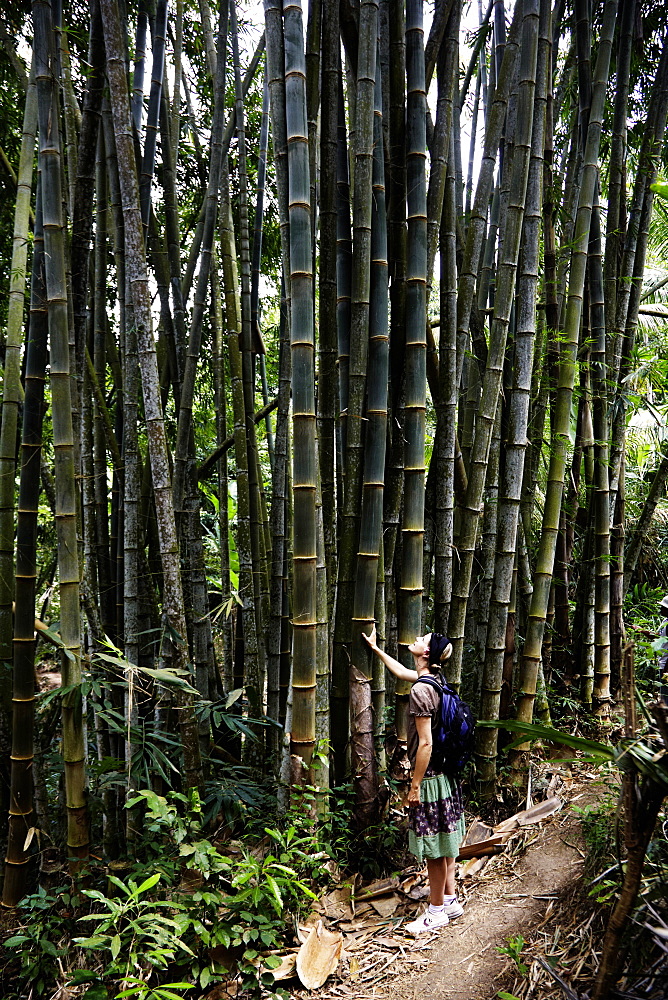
(538, 812)
(319, 956)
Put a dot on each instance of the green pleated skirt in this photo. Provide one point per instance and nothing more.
(436, 825)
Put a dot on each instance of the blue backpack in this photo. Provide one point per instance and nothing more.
(452, 731)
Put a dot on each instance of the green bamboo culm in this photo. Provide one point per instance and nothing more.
(135, 258)
(302, 349)
(74, 751)
(327, 291)
(415, 363)
(511, 479)
(465, 299)
(365, 678)
(11, 386)
(344, 256)
(356, 379)
(560, 437)
(255, 680)
(21, 787)
(194, 347)
(601, 692)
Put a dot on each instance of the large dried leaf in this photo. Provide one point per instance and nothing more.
(319, 956)
(542, 810)
(419, 891)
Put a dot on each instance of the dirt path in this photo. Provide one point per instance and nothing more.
(462, 962)
(514, 895)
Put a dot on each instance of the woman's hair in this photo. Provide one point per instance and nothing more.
(440, 650)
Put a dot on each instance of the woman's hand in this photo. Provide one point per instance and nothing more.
(414, 795)
(371, 639)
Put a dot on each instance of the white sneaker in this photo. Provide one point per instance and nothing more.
(427, 922)
(453, 909)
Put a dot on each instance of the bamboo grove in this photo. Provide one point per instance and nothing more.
(302, 334)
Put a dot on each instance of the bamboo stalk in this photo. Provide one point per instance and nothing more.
(23, 687)
(302, 346)
(567, 366)
(327, 291)
(505, 288)
(11, 387)
(363, 757)
(74, 751)
(601, 506)
(184, 426)
(412, 529)
(157, 441)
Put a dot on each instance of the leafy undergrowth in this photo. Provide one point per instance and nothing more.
(196, 911)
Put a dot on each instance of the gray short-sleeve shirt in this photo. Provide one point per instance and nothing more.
(423, 700)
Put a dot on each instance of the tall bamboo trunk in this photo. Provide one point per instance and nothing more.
(567, 366)
(446, 402)
(74, 751)
(256, 672)
(327, 293)
(505, 288)
(184, 428)
(371, 519)
(175, 634)
(278, 639)
(247, 637)
(415, 361)
(279, 516)
(344, 254)
(601, 505)
(616, 215)
(256, 262)
(617, 630)
(21, 790)
(159, 31)
(302, 343)
(11, 386)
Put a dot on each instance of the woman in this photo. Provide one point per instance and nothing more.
(436, 813)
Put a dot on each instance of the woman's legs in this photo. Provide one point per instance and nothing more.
(450, 889)
(437, 872)
(441, 872)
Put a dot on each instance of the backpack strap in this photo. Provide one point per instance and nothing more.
(432, 682)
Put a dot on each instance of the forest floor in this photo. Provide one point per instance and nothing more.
(534, 890)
